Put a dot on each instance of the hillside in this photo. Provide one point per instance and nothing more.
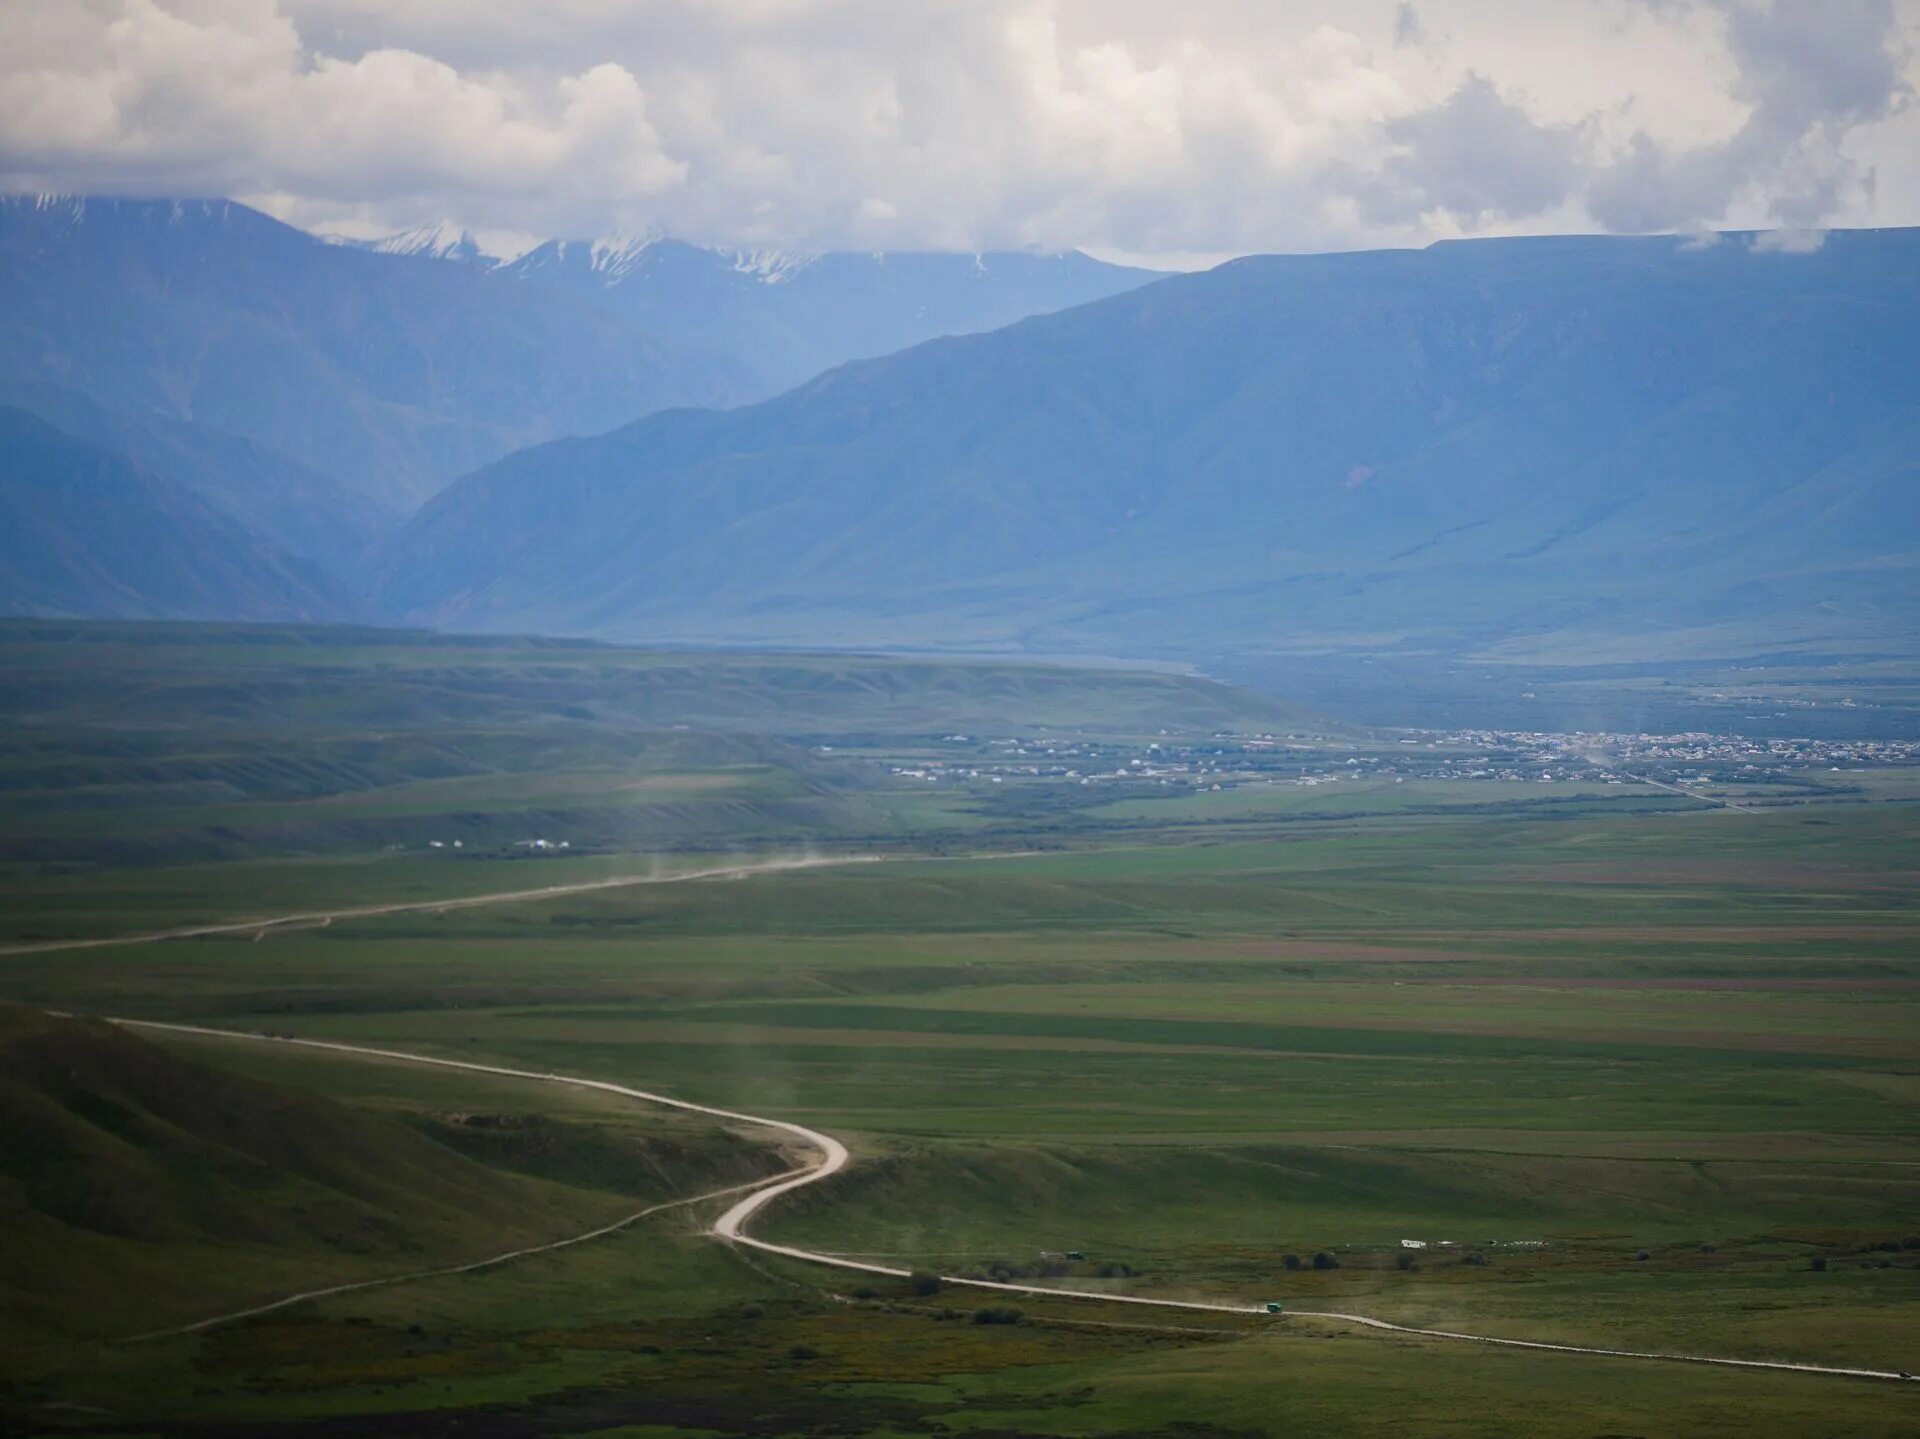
(318, 517)
(1516, 441)
(782, 318)
(317, 391)
(88, 530)
(122, 1165)
(388, 372)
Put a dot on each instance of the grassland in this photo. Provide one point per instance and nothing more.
(1183, 1037)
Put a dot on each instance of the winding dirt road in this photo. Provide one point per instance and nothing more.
(832, 1157)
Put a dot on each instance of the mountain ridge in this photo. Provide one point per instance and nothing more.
(1454, 446)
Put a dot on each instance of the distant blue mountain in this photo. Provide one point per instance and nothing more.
(314, 392)
(88, 530)
(781, 316)
(392, 373)
(1582, 445)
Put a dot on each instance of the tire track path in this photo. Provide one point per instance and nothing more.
(730, 1227)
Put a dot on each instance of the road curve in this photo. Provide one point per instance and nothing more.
(730, 1227)
(414, 906)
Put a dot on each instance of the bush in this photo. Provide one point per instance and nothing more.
(1912, 1241)
(863, 1292)
(1819, 1264)
(1643, 1255)
(924, 1282)
(803, 1351)
(1473, 1258)
(1406, 1261)
(1291, 1261)
(1888, 1246)
(1706, 1248)
(1324, 1260)
(753, 1311)
(997, 1316)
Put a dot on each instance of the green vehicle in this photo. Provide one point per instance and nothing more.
(1275, 1308)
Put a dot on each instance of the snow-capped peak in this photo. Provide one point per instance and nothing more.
(438, 241)
(615, 255)
(771, 267)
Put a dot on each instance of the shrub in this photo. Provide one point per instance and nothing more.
(996, 1316)
(924, 1282)
(1819, 1264)
(863, 1292)
(1643, 1255)
(1474, 1258)
(1406, 1261)
(1912, 1241)
(753, 1311)
(1291, 1261)
(1706, 1248)
(1324, 1260)
(803, 1351)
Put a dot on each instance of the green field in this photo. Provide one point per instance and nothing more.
(1183, 1037)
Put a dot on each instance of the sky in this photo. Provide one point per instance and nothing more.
(1174, 131)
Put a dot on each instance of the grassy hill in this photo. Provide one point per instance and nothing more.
(141, 1188)
(171, 743)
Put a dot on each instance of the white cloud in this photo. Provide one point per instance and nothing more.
(1789, 242)
(1129, 125)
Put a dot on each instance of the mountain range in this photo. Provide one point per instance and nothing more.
(1544, 444)
(314, 393)
(1557, 446)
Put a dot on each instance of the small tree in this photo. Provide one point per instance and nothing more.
(1324, 1260)
(1291, 1261)
(924, 1282)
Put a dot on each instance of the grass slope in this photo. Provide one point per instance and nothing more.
(142, 1188)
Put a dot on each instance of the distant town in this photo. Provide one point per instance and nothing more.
(1688, 761)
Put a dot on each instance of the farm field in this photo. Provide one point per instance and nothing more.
(1630, 1071)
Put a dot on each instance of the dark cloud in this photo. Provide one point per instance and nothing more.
(1811, 73)
(1478, 156)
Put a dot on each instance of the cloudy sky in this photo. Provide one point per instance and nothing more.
(1178, 129)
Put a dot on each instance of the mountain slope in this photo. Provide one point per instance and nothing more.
(140, 1188)
(87, 530)
(390, 372)
(782, 317)
(300, 510)
(1482, 442)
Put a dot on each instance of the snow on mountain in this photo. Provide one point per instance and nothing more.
(770, 267)
(615, 256)
(442, 240)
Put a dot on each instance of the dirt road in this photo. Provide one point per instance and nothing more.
(325, 917)
(832, 1157)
